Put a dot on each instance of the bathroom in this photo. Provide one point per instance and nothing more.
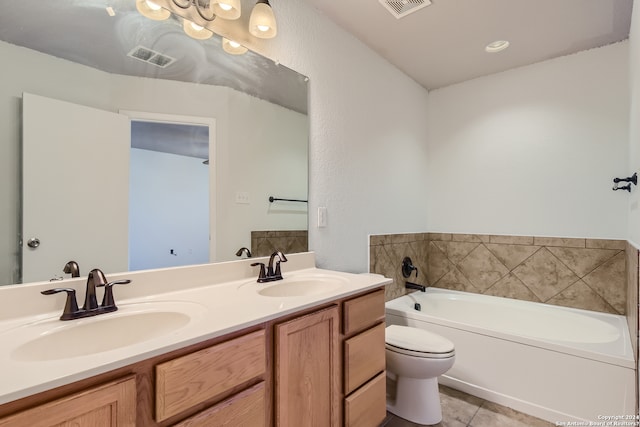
(381, 168)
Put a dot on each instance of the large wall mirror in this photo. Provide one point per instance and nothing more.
(208, 139)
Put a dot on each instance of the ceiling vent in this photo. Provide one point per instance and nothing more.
(149, 56)
(401, 8)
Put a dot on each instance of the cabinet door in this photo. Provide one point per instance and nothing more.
(110, 405)
(307, 383)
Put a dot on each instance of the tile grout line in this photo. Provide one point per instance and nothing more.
(476, 412)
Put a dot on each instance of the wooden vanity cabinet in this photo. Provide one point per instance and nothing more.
(108, 405)
(322, 366)
(364, 360)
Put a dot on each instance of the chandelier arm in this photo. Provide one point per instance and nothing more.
(201, 13)
(184, 4)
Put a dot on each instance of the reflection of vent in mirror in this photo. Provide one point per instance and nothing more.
(401, 8)
(152, 57)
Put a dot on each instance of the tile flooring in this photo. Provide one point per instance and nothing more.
(460, 409)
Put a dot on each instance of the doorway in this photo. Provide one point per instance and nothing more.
(170, 191)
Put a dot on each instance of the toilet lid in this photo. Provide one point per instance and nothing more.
(417, 340)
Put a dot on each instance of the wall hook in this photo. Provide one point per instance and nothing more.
(633, 179)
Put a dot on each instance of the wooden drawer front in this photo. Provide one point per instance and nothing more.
(363, 312)
(110, 405)
(364, 357)
(246, 408)
(192, 379)
(367, 406)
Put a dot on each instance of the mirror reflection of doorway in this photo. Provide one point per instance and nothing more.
(169, 202)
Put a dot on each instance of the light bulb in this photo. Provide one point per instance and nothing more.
(152, 10)
(226, 9)
(232, 47)
(153, 6)
(196, 31)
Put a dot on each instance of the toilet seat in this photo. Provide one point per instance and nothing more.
(417, 343)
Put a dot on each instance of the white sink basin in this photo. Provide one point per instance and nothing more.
(131, 324)
(302, 286)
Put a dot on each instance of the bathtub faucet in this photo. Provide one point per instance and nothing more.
(411, 285)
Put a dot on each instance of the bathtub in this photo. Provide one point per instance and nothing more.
(559, 364)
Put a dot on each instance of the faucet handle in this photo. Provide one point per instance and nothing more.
(108, 302)
(71, 305)
(262, 276)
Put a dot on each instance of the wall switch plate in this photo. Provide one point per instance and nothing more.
(242, 197)
(322, 217)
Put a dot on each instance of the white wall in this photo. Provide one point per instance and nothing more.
(634, 128)
(533, 151)
(266, 159)
(368, 128)
(168, 209)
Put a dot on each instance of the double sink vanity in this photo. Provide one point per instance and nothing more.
(199, 346)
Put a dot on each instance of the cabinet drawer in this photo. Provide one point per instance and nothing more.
(197, 377)
(363, 312)
(367, 406)
(246, 408)
(364, 357)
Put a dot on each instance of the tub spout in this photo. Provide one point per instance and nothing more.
(411, 285)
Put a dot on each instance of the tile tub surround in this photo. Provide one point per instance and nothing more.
(264, 243)
(386, 252)
(580, 273)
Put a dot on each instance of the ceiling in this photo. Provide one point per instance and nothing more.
(81, 31)
(443, 43)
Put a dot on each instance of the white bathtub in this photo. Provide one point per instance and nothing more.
(556, 363)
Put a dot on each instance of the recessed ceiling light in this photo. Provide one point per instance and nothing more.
(110, 11)
(496, 46)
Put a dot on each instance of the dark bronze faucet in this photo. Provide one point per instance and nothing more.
(244, 250)
(411, 285)
(271, 274)
(72, 268)
(95, 279)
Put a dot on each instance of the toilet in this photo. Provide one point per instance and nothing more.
(417, 357)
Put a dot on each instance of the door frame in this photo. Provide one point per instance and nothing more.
(192, 120)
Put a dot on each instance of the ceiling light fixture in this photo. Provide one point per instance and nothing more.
(262, 22)
(496, 46)
(151, 10)
(227, 9)
(233, 48)
(204, 9)
(196, 31)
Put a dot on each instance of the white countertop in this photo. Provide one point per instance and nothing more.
(214, 310)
